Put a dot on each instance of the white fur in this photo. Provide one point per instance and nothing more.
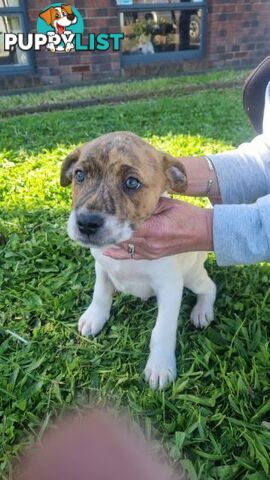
(164, 278)
(114, 231)
(146, 48)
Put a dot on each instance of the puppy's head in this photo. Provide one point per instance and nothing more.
(59, 17)
(117, 181)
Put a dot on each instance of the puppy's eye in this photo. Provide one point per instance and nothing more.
(132, 183)
(79, 176)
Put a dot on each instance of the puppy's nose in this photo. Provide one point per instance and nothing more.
(71, 16)
(89, 223)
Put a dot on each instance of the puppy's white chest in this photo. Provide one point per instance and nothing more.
(128, 276)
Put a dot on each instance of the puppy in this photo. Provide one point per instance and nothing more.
(117, 181)
(143, 45)
(59, 18)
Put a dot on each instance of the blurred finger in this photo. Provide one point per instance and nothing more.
(121, 252)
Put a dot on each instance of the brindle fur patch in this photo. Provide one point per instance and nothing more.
(107, 162)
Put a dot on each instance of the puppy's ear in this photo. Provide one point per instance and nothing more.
(175, 173)
(47, 16)
(67, 8)
(68, 166)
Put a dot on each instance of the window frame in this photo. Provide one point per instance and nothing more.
(21, 11)
(136, 59)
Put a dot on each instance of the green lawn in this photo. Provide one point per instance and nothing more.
(121, 88)
(215, 419)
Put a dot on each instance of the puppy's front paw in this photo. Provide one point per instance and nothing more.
(69, 47)
(160, 369)
(51, 47)
(201, 316)
(92, 321)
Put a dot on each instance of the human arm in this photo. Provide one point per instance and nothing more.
(175, 227)
(237, 176)
(239, 234)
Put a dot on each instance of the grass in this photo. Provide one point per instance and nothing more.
(115, 89)
(215, 418)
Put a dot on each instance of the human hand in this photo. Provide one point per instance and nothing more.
(175, 227)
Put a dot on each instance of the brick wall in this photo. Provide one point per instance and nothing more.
(99, 17)
(238, 36)
(239, 31)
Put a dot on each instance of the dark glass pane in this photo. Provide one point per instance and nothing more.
(9, 3)
(151, 32)
(11, 24)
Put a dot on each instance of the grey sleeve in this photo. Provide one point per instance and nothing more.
(244, 174)
(242, 233)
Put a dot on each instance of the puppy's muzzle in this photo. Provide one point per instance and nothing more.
(89, 223)
(92, 228)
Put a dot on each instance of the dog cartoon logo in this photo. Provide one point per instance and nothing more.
(60, 21)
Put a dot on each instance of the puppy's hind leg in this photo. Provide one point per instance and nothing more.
(97, 314)
(203, 312)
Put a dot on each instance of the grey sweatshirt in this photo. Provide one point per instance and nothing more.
(242, 224)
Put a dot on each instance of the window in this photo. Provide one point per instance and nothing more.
(13, 20)
(167, 30)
